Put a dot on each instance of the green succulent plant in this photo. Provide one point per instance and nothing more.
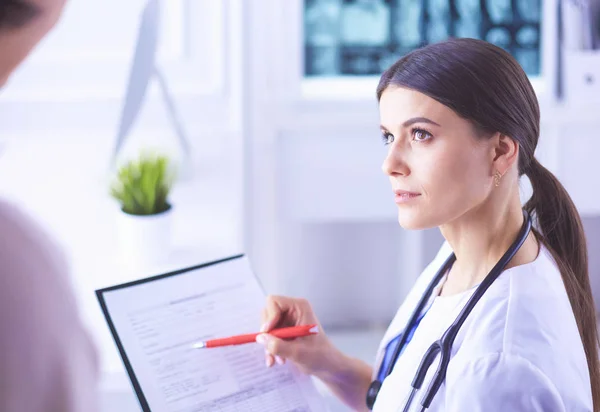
(142, 185)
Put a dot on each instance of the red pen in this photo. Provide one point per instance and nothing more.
(282, 333)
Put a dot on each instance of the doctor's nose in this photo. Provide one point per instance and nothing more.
(394, 164)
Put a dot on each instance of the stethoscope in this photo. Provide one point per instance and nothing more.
(443, 346)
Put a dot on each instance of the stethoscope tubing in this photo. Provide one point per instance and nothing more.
(443, 346)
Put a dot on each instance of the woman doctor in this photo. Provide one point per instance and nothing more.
(461, 124)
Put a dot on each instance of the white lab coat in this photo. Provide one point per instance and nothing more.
(519, 349)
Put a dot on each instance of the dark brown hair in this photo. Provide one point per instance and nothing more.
(485, 85)
(16, 13)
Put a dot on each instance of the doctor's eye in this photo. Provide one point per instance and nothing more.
(421, 135)
(387, 138)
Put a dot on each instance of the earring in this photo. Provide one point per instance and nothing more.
(497, 177)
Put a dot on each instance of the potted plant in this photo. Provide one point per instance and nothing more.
(142, 187)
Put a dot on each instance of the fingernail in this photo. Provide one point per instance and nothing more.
(264, 327)
(269, 362)
(262, 339)
(279, 360)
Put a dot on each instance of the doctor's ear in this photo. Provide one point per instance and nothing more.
(505, 152)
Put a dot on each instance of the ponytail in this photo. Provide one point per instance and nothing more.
(560, 229)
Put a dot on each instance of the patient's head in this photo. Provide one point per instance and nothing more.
(23, 23)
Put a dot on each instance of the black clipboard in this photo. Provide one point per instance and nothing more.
(100, 295)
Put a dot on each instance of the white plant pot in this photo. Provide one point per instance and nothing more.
(144, 241)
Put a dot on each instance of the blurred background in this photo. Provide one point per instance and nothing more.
(268, 110)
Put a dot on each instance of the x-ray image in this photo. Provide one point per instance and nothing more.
(439, 21)
(529, 60)
(360, 65)
(386, 61)
(469, 20)
(321, 26)
(529, 10)
(408, 30)
(321, 22)
(500, 11)
(499, 36)
(528, 56)
(323, 61)
(364, 37)
(365, 22)
(528, 36)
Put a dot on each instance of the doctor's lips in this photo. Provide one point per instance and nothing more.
(403, 196)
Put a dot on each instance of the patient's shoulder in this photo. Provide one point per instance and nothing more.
(24, 243)
(32, 264)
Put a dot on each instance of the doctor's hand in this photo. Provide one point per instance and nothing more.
(312, 354)
(348, 378)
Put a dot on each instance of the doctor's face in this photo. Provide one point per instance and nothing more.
(439, 168)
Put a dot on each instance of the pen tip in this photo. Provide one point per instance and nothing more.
(199, 345)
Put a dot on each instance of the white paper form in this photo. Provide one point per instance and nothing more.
(158, 321)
